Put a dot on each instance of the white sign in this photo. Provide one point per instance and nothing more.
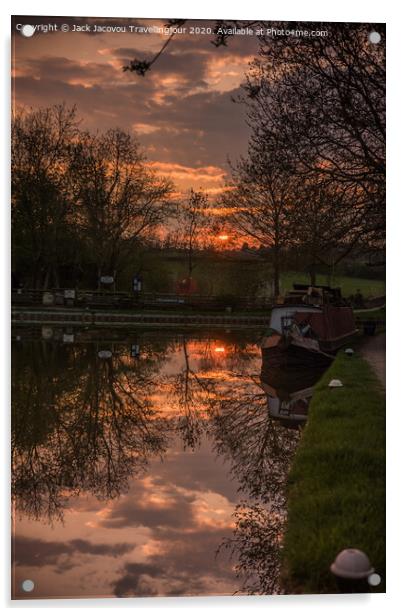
(137, 283)
(69, 294)
(104, 354)
(107, 279)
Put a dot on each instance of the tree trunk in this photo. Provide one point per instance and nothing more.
(46, 279)
(312, 274)
(190, 261)
(276, 272)
(56, 276)
(37, 274)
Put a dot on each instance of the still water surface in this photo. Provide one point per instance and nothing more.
(147, 463)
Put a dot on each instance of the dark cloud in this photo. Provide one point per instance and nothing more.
(134, 582)
(188, 67)
(141, 585)
(60, 69)
(211, 129)
(139, 510)
(200, 129)
(184, 560)
(176, 482)
(37, 553)
(181, 113)
(188, 58)
(200, 471)
(187, 565)
(181, 540)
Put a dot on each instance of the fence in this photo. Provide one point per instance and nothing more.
(102, 299)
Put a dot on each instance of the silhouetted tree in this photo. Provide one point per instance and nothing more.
(192, 222)
(325, 225)
(324, 99)
(41, 213)
(259, 198)
(119, 198)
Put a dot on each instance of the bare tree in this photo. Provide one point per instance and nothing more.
(326, 225)
(41, 203)
(119, 198)
(324, 97)
(259, 199)
(192, 221)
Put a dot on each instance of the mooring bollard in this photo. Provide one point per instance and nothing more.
(352, 570)
(335, 383)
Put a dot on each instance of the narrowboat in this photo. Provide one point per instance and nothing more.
(307, 327)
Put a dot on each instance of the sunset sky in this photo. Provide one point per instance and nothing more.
(181, 110)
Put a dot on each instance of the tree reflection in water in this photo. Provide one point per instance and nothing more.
(86, 424)
(198, 386)
(80, 423)
(234, 412)
(193, 394)
(260, 451)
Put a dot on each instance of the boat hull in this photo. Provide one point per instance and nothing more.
(293, 358)
(332, 346)
(283, 380)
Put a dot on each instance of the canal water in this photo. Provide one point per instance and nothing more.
(149, 463)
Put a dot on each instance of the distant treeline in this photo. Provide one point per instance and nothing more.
(310, 190)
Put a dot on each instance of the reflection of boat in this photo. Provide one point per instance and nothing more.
(289, 392)
(293, 412)
(308, 326)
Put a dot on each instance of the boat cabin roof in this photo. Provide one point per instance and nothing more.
(304, 287)
(313, 294)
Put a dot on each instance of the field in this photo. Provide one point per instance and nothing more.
(349, 285)
(238, 277)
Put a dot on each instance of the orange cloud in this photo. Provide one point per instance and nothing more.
(209, 178)
(225, 73)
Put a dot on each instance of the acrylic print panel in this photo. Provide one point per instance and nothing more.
(198, 311)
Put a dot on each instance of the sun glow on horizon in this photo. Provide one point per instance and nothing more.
(219, 349)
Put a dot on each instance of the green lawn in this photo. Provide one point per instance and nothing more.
(217, 275)
(349, 286)
(373, 314)
(336, 491)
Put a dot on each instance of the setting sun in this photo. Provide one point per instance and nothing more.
(219, 350)
(223, 237)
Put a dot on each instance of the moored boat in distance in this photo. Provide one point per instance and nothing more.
(308, 326)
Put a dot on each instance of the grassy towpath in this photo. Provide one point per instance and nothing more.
(336, 489)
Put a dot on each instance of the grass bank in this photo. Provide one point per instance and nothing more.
(348, 284)
(336, 491)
